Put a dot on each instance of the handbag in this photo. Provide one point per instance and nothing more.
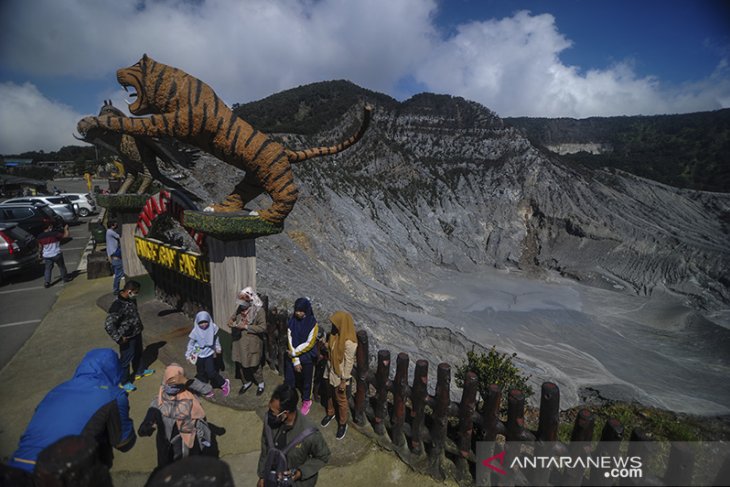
(236, 334)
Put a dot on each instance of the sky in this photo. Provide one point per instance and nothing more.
(559, 58)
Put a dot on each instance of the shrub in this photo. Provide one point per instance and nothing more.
(493, 368)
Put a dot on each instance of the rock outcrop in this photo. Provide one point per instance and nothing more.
(441, 184)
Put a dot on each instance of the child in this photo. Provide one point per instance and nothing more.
(202, 349)
(179, 418)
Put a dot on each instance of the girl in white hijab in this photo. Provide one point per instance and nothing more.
(203, 347)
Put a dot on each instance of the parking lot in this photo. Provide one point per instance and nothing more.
(24, 301)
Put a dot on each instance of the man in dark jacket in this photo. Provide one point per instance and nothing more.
(124, 325)
(90, 404)
(307, 451)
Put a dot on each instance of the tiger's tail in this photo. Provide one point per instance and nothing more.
(303, 155)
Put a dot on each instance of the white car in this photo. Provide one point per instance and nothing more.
(86, 203)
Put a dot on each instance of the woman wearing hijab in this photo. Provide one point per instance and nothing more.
(342, 345)
(302, 334)
(203, 346)
(180, 419)
(249, 324)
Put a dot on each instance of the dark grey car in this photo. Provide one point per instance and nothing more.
(30, 217)
(59, 204)
(18, 250)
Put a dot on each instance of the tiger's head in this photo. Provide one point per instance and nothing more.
(134, 77)
(153, 85)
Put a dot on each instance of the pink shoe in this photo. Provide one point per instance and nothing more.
(226, 388)
(210, 394)
(306, 405)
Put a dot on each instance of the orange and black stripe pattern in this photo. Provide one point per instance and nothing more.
(187, 109)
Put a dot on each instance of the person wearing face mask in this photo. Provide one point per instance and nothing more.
(179, 418)
(203, 348)
(124, 326)
(292, 449)
(248, 326)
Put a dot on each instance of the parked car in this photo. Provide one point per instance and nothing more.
(18, 250)
(59, 204)
(85, 202)
(33, 218)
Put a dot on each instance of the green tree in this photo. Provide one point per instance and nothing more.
(493, 368)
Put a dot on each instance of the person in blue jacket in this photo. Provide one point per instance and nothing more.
(302, 334)
(90, 404)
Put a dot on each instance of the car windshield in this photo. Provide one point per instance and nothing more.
(56, 201)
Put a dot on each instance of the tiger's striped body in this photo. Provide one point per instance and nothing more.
(185, 108)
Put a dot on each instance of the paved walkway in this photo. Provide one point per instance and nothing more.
(75, 325)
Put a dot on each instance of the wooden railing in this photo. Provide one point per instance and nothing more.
(434, 433)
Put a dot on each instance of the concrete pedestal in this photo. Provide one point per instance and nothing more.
(125, 208)
(132, 265)
(232, 268)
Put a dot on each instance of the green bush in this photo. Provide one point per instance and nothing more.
(493, 368)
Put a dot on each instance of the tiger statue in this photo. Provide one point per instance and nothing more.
(183, 107)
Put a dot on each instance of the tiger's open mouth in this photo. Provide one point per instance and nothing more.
(134, 101)
(135, 94)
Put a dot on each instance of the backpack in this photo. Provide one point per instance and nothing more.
(276, 461)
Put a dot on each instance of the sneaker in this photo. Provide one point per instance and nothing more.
(259, 390)
(144, 373)
(245, 387)
(210, 394)
(226, 388)
(341, 430)
(327, 420)
(129, 387)
(306, 405)
(47, 285)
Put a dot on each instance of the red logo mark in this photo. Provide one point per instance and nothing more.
(500, 458)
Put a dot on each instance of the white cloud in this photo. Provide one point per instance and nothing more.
(31, 121)
(244, 49)
(513, 67)
(249, 49)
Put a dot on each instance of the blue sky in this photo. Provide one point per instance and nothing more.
(561, 58)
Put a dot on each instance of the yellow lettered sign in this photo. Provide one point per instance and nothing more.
(186, 263)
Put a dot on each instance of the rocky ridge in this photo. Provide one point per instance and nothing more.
(443, 183)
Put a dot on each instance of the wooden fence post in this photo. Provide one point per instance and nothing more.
(467, 407)
(609, 445)
(490, 422)
(547, 431)
(549, 412)
(466, 413)
(419, 395)
(440, 419)
(362, 377)
(400, 390)
(516, 416)
(381, 391)
(580, 446)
